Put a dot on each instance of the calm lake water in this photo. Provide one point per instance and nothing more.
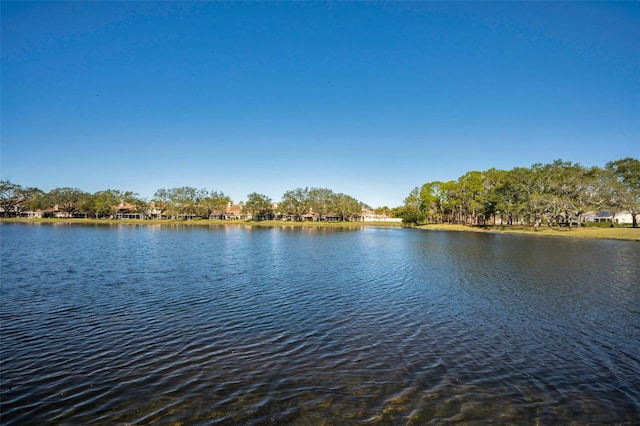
(237, 325)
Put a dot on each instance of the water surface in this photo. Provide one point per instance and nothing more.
(235, 325)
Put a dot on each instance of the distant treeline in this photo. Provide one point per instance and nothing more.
(560, 192)
(182, 202)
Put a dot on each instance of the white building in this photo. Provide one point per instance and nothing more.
(624, 217)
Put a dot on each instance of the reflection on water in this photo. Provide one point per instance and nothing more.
(314, 326)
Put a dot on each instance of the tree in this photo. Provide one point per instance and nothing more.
(518, 196)
(33, 199)
(162, 200)
(591, 190)
(67, 199)
(565, 186)
(183, 201)
(296, 202)
(345, 206)
(471, 194)
(201, 206)
(140, 205)
(450, 201)
(10, 196)
(410, 212)
(320, 201)
(627, 173)
(384, 210)
(86, 205)
(217, 202)
(106, 202)
(492, 180)
(258, 205)
(430, 201)
(572, 189)
(14, 198)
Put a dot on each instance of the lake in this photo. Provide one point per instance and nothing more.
(237, 325)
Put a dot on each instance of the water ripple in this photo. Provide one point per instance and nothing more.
(230, 326)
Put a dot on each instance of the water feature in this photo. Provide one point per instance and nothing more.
(239, 325)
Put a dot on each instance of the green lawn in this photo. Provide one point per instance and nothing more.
(632, 234)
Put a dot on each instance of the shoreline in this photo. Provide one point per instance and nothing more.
(625, 234)
(198, 222)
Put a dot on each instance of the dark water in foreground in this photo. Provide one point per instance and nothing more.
(233, 325)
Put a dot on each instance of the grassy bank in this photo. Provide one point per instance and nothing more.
(629, 234)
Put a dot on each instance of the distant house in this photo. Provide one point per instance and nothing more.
(155, 211)
(51, 212)
(593, 216)
(622, 217)
(370, 216)
(625, 217)
(33, 214)
(310, 216)
(43, 213)
(235, 212)
(231, 212)
(277, 214)
(216, 215)
(128, 211)
(331, 217)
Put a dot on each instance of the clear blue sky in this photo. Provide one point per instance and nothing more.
(368, 99)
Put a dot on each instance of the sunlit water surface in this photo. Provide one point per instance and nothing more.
(235, 325)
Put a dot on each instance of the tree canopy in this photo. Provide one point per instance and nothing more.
(259, 206)
(558, 192)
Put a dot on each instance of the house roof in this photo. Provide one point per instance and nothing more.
(234, 209)
(604, 213)
(126, 207)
